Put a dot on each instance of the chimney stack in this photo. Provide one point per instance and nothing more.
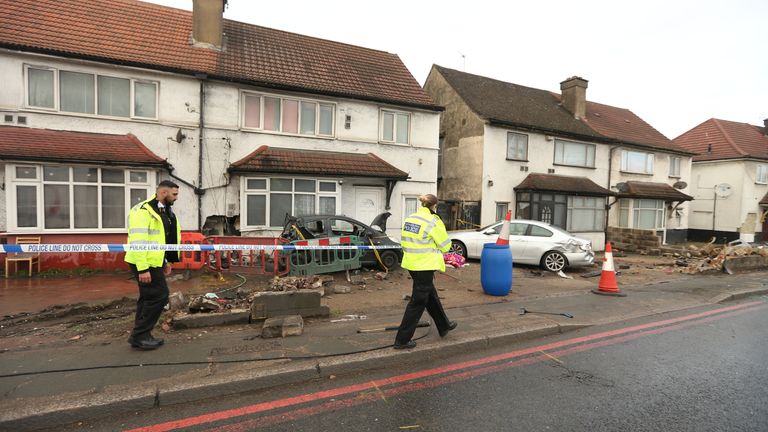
(765, 127)
(208, 23)
(574, 96)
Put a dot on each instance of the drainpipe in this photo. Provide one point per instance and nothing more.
(609, 205)
(199, 190)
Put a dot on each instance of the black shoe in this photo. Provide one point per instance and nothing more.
(451, 325)
(145, 344)
(407, 345)
(159, 341)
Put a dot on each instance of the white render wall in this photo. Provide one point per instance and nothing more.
(224, 142)
(738, 212)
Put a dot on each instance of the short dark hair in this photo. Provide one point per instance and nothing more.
(167, 184)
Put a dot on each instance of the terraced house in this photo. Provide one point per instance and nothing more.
(595, 170)
(103, 99)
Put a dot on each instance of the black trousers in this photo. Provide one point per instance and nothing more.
(152, 299)
(423, 296)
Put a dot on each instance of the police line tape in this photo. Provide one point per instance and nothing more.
(69, 248)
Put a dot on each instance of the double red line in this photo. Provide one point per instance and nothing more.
(400, 384)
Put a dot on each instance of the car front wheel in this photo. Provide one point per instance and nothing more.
(458, 247)
(553, 261)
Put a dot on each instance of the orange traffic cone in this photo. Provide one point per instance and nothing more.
(504, 234)
(608, 285)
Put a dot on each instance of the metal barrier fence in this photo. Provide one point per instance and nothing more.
(256, 261)
(311, 262)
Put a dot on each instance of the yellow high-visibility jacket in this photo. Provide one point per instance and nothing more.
(145, 226)
(424, 240)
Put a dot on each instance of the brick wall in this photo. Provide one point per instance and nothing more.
(633, 240)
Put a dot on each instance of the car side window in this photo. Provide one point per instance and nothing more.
(517, 228)
(537, 231)
(343, 227)
(315, 227)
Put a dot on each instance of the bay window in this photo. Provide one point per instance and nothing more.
(570, 212)
(289, 116)
(63, 197)
(645, 214)
(89, 93)
(268, 200)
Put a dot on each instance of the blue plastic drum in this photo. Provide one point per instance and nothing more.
(496, 269)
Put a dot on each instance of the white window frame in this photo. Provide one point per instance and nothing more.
(57, 95)
(559, 156)
(675, 166)
(395, 115)
(407, 198)
(39, 183)
(502, 207)
(525, 146)
(761, 174)
(582, 203)
(629, 209)
(269, 224)
(244, 94)
(647, 164)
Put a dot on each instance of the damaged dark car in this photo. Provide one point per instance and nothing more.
(324, 226)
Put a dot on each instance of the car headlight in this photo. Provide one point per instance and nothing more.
(586, 247)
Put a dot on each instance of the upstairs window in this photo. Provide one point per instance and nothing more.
(517, 146)
(574, 154)
(637, 162)
(674, 166)
(88, 93)
(289, 116)
(762, 174)
(395, 127)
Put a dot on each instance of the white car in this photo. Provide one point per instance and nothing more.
(532, 242)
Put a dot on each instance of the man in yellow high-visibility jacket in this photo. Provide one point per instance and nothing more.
(152, 222)
(424, 240)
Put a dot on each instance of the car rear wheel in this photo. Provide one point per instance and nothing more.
(553, 261)
(389, 259)
(458, 247)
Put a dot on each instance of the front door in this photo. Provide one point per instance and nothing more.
(369, 203)
(765, 224)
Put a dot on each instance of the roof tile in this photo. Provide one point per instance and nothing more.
(279, 160)
(50, 145)
(638, 189)
(561, 183)
(153, 36)
(717, 139)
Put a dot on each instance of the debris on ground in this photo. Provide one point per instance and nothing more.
(350, 318)
(295, 283)
(203, 303)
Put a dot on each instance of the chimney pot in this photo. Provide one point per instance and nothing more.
(574, 96)
(208, 23)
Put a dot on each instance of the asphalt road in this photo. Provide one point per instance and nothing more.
(695, 370)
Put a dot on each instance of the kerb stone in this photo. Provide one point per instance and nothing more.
(283, 326)
(270, 304)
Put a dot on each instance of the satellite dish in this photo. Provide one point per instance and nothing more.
(622, 187)
(680, 185)
(723, 190)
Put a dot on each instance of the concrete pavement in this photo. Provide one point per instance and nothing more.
(102, 379)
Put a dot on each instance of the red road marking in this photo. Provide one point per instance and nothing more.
(282, 403)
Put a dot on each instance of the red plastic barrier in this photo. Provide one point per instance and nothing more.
(192, 260)
(264, 262)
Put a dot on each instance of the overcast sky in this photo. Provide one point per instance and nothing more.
(675, 63)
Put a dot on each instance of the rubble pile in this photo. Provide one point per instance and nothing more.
(295, 283)
(711, 257)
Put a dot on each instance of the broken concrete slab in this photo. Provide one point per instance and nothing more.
(271, 304)
(342, 289)
(282, 326)
(229, 317)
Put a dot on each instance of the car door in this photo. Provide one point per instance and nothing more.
(476, 240)
(538, 242)
(518, 240)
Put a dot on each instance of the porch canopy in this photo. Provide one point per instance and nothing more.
(267, 159)
(650, 190)
(764, 201)
(563, 184)
(45, 145)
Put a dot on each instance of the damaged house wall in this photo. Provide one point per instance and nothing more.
(720, 216)
(463, 149)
